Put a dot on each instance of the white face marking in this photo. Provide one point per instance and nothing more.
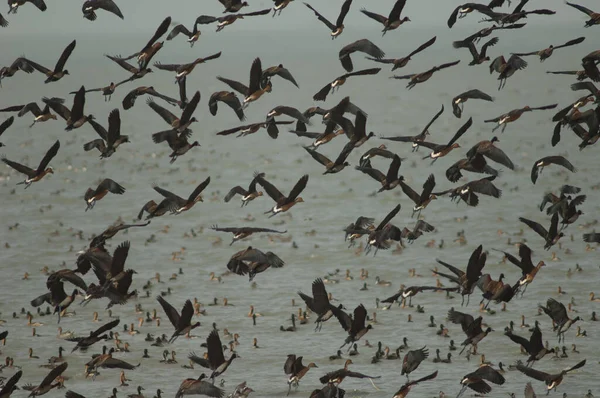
(272, 113)
(181, 74)
(458, 101)
(465, 190)
(435, 155)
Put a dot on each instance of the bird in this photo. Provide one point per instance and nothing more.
(145, 55)
(438, 150)
(492, 152)
(192, 36)
(47, 383)
(594, 16)
(277, 70)
(506, 68)
(183, 123)
(332, 167)
(420, 227)
(248, 129)
(199, 387)
(338, 28)
(321, 95)
(478, 57)
(177, 204)
(74, 117)
(552, 381)
(240, 233)
(283, 203)
(109, 140)
(362, 45)
(5, 125)
(94, 336)
(393, 20)
(252, 261)
(230, 99)
(528, 270)
(355, 326)
(183, 70)
(421, 201)
(39, 114)
(89, 8)
(466, 280)
(402, 62)
(295, 370)
(229, 18)
(547, 52)
(40, 172)
(476, 380)
(464, 9)
(59, 72)
(178, 142)
(253, 91)
(550, 236)
(559, 160)
(459, 100)
(15, 4)
(107, 185)
(422, 77)
(388, 181)
(217, 361)
(11, 385)
(534, 345)
(412, 360)
(503, 120)
(470, 326)
(406, 387)
(416, 139)
(247, 195)
(558, 313)
(129, 99)
(182, 323)
(233, 5)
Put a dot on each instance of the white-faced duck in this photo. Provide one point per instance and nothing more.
(89, 7)
(402, 62)
(422, 77)
(136, 73)
(515, 114)
(319, 303)
(489, 150)
(199, 387)
(388, 181)
(144, 56)
(459, 100)
(283, 203)
(336, 377)
(253, 261)
(247, 195)
(19, 64)
(182, 70)
(177, 204)
(277, 70)
(364, 46)
(355, 326)
(177, 142)
(558, 313)
(594, 16)
(507, 68)
(109, 140)
(415, 139)
(550, 236)
(420, 227)
(192, 36)
(139, 393)
(463, 10)
(468, 192)
(405, 389)
(233, 6)
(547, 52)
(332, 167)
(59, 71)
(478, 57)
(393, 20)
(476, 380)
(15, 4)
(107, 91)
(534, 345)
(295, 370)
(321, 95)
(129, 99)
(243, 232)
(421, 201)
(280, 5)
(11, 385)
(440, 150)
(552, 381)
(3, 21)
(338, 28)
(107, 185)
(579, 74)
(47, 383)
(74, 117)
(225, 20)
(230, 99)
(485, 32)
(413, 359)
(40, 172)
(179, 124)
(39, 115)
(182, 323)
(217, 361)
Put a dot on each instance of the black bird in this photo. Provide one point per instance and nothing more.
(506, 68)
(337, 376)
(252, 261)
(338, 28)
(109, 140)
(107, 185)
(552, 380)
(388, 181)
(416, 139)
(383, 233)
(332, 167)
(277, 70)
(321, 95)
(40, 172)
(476, 380)
(459, 100)
(393, 20)
(355, 326)
(468, 192)
(177, 204)
(547, 52)
(362, 45)
(551, 236)
(558, 313)
(90, 6)
(182, 323)
(413, 359)
(489, 150)
(467, 280)
(74, 117)
(95, 336)
(230, 99)
(183, 123)
(470, 326)
(59, 71)
(534, 346)
(402, 62)
(476, 164)
(11, 385)
(319, 303)
(420, 227)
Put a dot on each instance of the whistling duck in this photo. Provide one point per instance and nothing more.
(439, 150)
(253, 261)
(229, 98)
(422, 77)
(228, 19)
(476, 380)
(338, 28)
(247, 195)
(552, 380)
(594, 16)
(39, 115)
(90, 6)
(478, 57)
(41, 171)
(19, 64)
(558, 313)
(182, 323)
(192, 35)
(178, 204)
(283, 203)
(59, 71)
(244, 232)
(129, 99)
(402, 62)
(506, 68)
(393, 20)
(364, 46)
(547, 52)
(295, 370)
(47, 384)
(107, 185)
(464, 97)
(183, 70)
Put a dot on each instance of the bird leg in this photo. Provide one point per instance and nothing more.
(374, 386)
(462, 390)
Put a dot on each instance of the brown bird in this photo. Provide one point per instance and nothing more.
(438, 151)
(40, 115)
(47, 383)
(109, 140)
(295, 370)
(393, 20)
(247, 195)
(321, 95)
(183, 123)
(464, 97)
(145, 55)
(338, 28)
(107, 185)
(507, 68)
(192, 36)
(59, 71)
(41, 171)
(252, 261)
(547, 52)
(244, 232)
(402, 62)
(177, 204)
(270, 125)
(503, 120)
(422, 77)
(228, 19)
(129, 99)
(364, 46)
(594, 16)
(230, 99)
(283, 203)
(183, 70)
(74, 117)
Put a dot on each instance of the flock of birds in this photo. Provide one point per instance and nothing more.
(114, 281)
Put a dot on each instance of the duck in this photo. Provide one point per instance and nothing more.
(422, 77)
(107, 185)
(230, 99)
(393, 20)
(41, 171)
(192, 36)
(182, 124)
(230, 18)
(74, 117)
(183, 70)
(182, 323)
(337, 28)
(402, 62)
(59, 72)
(177, 204)
(90, 6)
(40, 115)
(283, 203)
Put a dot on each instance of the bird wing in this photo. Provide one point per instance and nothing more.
(298, 188)
(235, 85)
(343, 12)
(48, 157)
(114, 127)
(272, 191)
(187, 312)
(476, 263)
(105, 328)
(535, 226)
(169, 67)
(187, 113)
(54, 373)
(465, 320)
(321, 18)
(171, 312)
(396, 10)
(377, 17)
(215, 349)
(388, 218)
(177, 30)
(319, 157)
(411, 193)
(111, 186)
(255, 75)
(65, 56)
(198, 190)
(533, 373)
(581, 8)
(162, 112)
(460, 132)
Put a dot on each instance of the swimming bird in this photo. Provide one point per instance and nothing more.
(594, 16)
(183, 70)
(89, 8)
(182, 323)
(504, 119)
(283, 203)
(107, 185)
(422, 77)
(109, 140)
(552, 381)
(230, 99)
(321, 95)
(547, 52)
(59, 71)
(192, 36)
(338, 28)
(393, 20)
(74, 117)
(559, 160)
(40, 172)
(551, 236)
(252, 261)
(402, 62)
(228, 19)
(240, 233)
(459, 101)
(177, 204)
